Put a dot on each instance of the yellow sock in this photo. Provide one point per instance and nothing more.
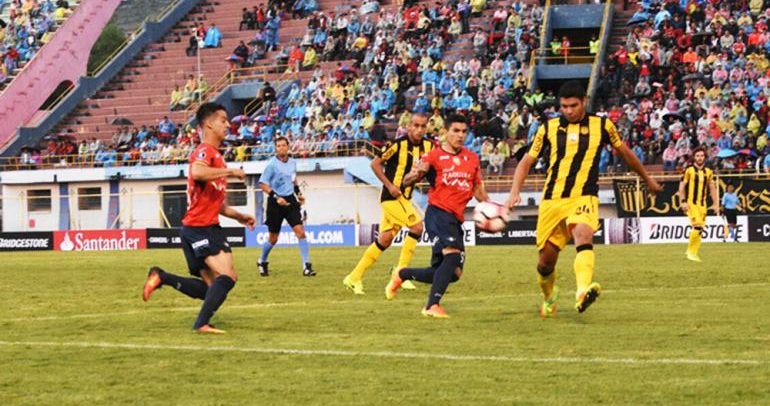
(546, 284)
(584, 269)
(694, 245)
(407, 250)
(370, 257)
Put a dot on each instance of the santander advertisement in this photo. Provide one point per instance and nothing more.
(100, 240)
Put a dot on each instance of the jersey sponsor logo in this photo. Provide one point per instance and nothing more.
(201, 243)
(443, 157)
(202, 155)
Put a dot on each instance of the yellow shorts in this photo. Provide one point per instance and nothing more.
(556, 216)
(697, 215)
(398, 213)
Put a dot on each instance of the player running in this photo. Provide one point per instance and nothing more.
(284, 198)
(454, 173)
(697, 179)
(205, 246)
(394, 162)
(570, 206)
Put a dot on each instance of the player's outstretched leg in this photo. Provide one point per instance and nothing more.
(353, 281)
(446, 273)
(546, 278)
(587, 291)
(399, 276)
(157, 277)
(694, 244)
(222, 277)
(407, 251)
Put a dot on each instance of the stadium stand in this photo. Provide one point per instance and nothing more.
(690, 76)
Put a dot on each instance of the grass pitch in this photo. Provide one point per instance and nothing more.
(665, 331)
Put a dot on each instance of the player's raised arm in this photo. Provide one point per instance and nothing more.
(417, 173)
(201, 172)
(628, 156)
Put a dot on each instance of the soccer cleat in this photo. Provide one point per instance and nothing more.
(307, 270)
(153, 282)
(263, 269)
(435, 311)
(392, 287)
(356, 287)
(548, 308)
(585, 299)
(408, 285)
(209, 329)
(693, 257)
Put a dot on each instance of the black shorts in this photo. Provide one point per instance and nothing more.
(276, 214)
(445, 231)
(201, 242)
(731, 215)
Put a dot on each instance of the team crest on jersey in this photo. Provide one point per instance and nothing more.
(456, 160)
(202, 155)
(573, 137)
(584, 130)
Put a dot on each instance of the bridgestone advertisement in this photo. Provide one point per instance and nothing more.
(677, 229)
(169, 237)
(30, 241)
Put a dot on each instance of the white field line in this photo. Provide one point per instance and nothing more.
(351, 301)
(386, 354)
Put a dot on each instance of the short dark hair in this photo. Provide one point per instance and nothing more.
(455, 118)
(572, 88)
(700, 149)
(281, 138)
(206, 110)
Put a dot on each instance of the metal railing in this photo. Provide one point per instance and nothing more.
(574, 55)
(179, 156)
(235, 76)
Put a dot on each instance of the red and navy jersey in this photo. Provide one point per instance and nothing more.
(452, 178)
(204, 198)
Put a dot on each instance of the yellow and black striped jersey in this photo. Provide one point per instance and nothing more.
(398, 158)
(697, 182)
(573, 166)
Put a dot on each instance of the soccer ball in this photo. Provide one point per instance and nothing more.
(490, 216)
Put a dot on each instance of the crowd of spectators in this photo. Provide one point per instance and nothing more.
(30, 25)
(687, 75)
(692, 74)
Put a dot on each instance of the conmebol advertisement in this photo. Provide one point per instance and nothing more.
(332, 235)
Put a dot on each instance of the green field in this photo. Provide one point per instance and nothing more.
(665, 331)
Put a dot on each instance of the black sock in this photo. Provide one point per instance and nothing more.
(443, 277)
(424, 275)
(215, 296)
(193, 287)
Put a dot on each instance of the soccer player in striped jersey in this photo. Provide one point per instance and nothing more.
(570, 206)
(697, 182)
(391, 166)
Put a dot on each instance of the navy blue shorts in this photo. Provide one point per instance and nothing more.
(445, 231)
(201, 242)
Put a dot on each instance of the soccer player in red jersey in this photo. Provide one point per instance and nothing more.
(205, 246)
(454, 173)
